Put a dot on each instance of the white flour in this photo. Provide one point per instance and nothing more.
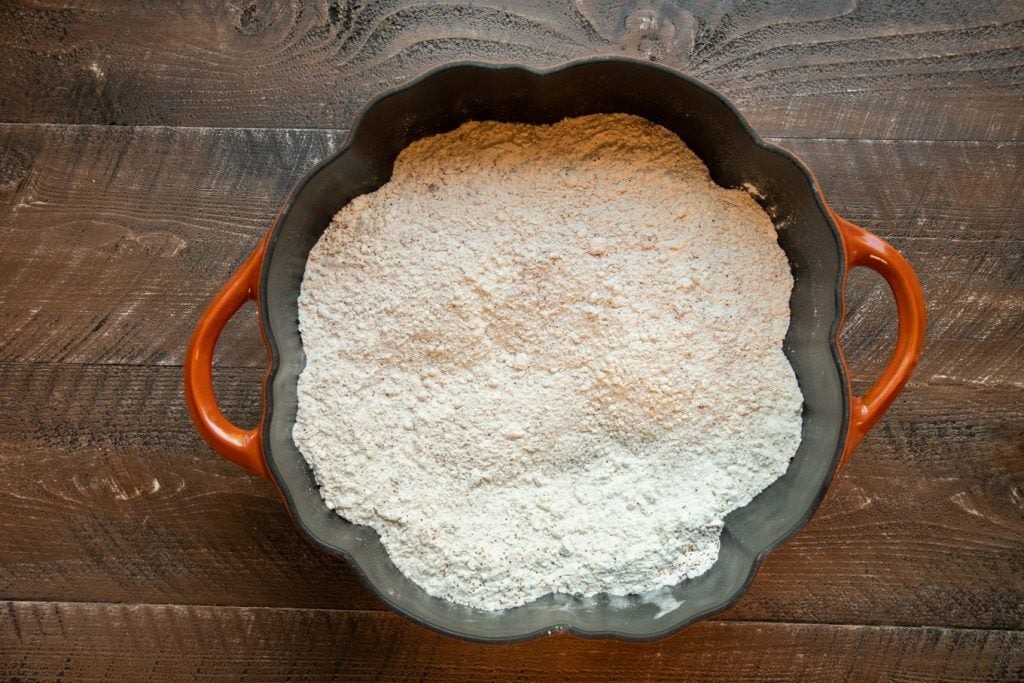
(547, 359)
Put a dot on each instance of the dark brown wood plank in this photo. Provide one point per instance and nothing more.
(942, 70)
(113, 240)
(149, 221)
(952, 210)
(156, 642)
(901, 529)
(108, 495)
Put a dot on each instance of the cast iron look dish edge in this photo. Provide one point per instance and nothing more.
(821, 247)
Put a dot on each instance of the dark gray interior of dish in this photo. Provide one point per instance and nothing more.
(440, 102)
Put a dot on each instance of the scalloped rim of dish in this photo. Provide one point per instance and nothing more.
(559, 625)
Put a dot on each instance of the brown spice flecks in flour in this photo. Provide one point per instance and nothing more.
(547, 359)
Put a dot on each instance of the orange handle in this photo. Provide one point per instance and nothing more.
(866, 249)
(240, 446)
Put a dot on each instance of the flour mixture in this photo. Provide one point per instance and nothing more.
(547, 359)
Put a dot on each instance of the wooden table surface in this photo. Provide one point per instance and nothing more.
(145, 148)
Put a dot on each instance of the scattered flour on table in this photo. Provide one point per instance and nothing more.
(547, 359)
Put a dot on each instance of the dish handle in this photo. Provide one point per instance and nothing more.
(866, 249)
(241, 446)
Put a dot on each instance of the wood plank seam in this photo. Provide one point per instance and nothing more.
(391, 614)
(775, 139)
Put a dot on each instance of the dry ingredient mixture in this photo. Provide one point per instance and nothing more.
(547, 359)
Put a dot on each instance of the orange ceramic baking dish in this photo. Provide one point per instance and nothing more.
(822, 249)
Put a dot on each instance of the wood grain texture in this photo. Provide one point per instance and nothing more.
(150, 220)
(158, 642)
(114, 240)
(109, 495)
(951, 70)
(952, 209)
(148, 145)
